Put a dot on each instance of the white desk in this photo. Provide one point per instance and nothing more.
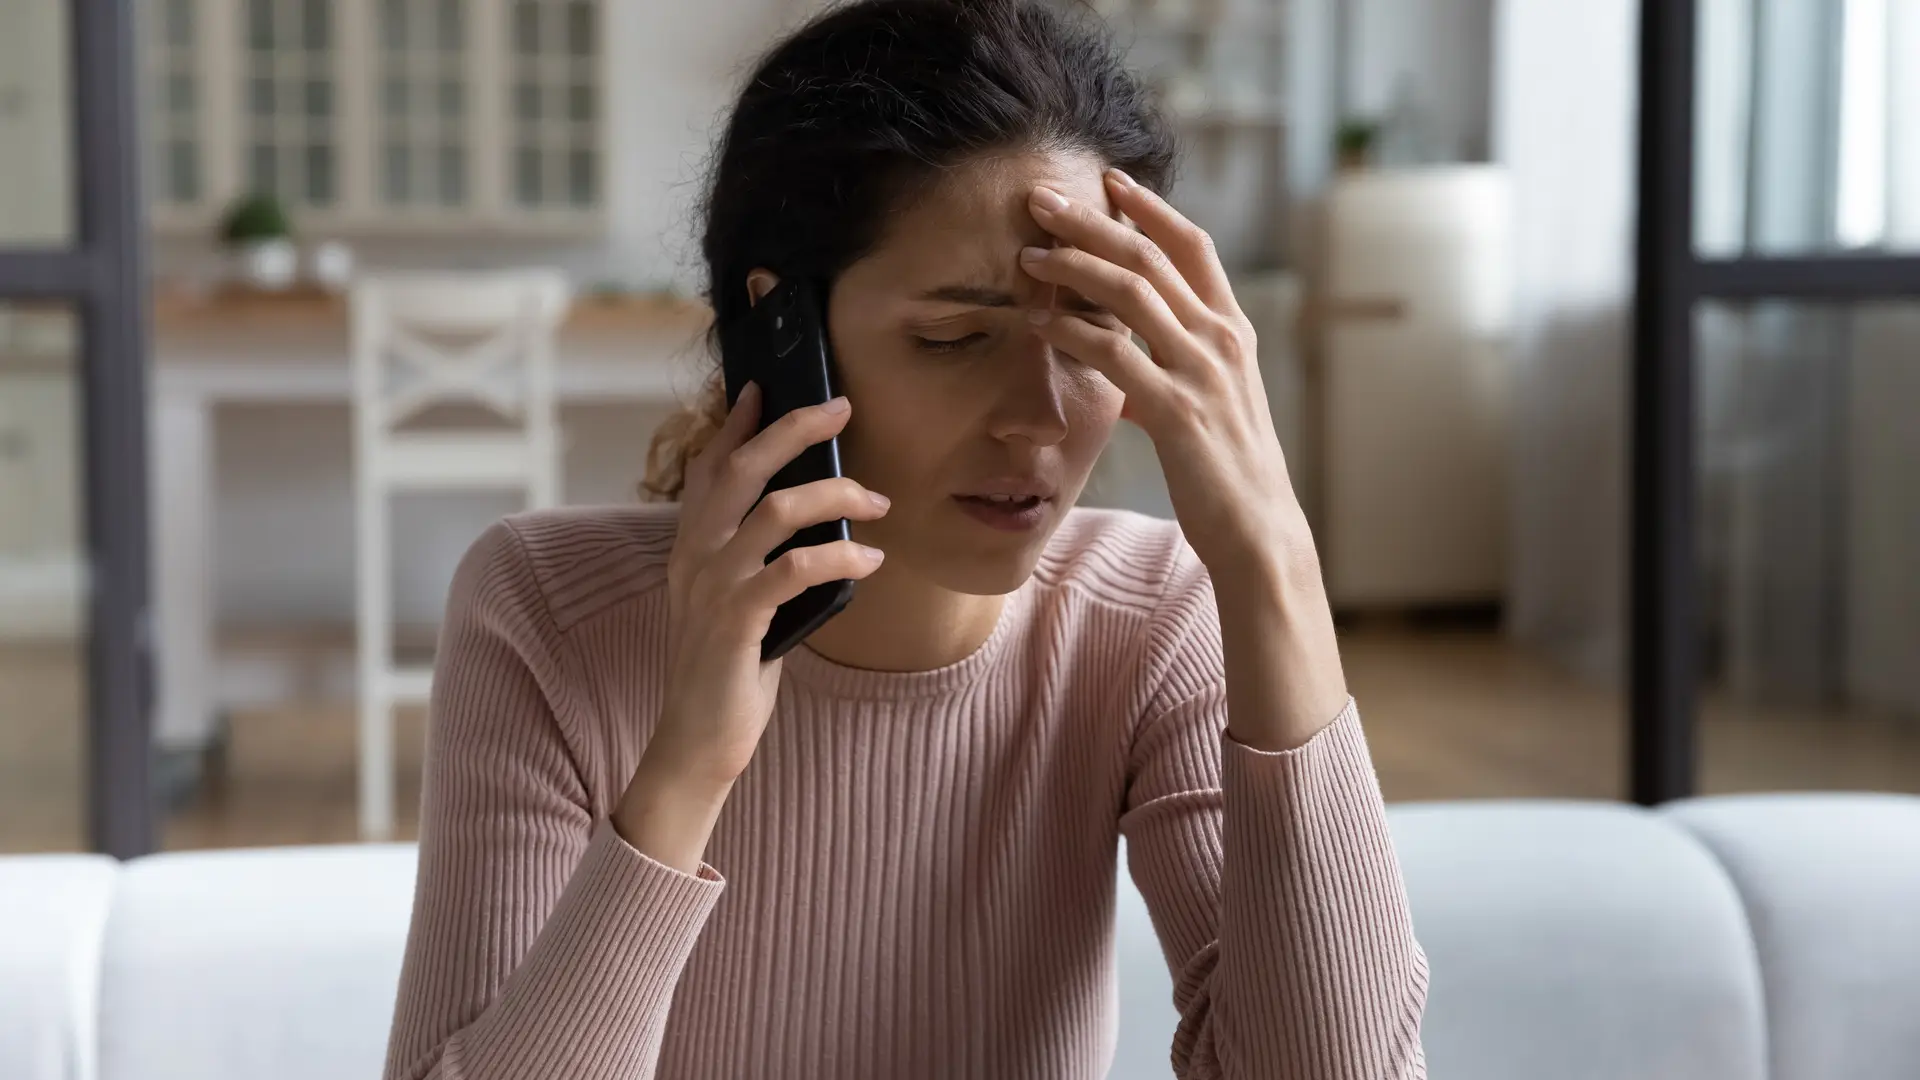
(225, 353)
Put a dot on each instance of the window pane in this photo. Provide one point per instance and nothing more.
(452, 99)
(1807, 136)
(394, 97)
(180, 93)
(393, 25)
(451, 26)
(183, 171)
(526, 183)
(261, 97)
(526, 101)
(580, 102)
(316, 24)
(399, 172)
(319, 173)
(580, 178)
(1809, 524)
(263, 167)
(43, 724)
(319, 99)
(453, 176)
(526, 27)
(180, 23)
(580, 28)
(36, 127)
(260, 24)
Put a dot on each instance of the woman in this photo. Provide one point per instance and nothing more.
(916, 813)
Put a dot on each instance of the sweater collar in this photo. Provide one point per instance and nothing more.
(806, 668)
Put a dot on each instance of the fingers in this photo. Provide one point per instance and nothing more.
(785, 512)
(1185, 244)
(1131, 298)
(1086, 228)
(741, 422)
(1110, 352)
(804, 567)
(736, 478)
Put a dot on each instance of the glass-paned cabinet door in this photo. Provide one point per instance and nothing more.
(291, 134)
(555, 140)
(174, 110)
(424, 156)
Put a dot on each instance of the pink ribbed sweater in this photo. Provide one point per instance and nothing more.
(915, 876)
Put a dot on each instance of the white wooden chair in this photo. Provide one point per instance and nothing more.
(420, 342)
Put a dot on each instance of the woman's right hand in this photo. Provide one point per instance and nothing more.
(721, 595)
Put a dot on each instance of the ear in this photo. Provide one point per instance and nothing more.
(760, 282)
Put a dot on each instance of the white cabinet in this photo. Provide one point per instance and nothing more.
(437, 116)
(1414, 403)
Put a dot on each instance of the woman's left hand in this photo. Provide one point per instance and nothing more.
(1198, 396)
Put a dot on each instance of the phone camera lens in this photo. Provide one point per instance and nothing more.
(779, 322)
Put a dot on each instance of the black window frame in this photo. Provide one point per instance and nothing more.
(103, 275)
(1670, 282)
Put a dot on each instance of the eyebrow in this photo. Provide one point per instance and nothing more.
(969, 294)
(986, 296)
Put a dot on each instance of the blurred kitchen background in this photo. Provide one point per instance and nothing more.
(1428, 204)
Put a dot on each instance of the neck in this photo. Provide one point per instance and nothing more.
(900, 621)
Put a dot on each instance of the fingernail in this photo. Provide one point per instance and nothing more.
(880, 501)
(836, 406)
(1121, 178)
(1032, 254)
(1049, 199)
(872, 554)
(1039, 316)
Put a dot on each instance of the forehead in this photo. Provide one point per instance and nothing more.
(970, 224)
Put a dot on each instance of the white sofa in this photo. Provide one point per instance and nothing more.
(1752, 938)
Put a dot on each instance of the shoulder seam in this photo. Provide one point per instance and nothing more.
(565, 649)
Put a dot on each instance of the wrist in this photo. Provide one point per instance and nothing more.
(668, 814)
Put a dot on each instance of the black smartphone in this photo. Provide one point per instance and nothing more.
(781, 344)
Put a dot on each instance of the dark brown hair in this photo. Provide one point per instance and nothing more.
(863, 107)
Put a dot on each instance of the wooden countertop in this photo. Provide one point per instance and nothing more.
(310, 311)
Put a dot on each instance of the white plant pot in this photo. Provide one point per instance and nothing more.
(269, 264)
(331, 266)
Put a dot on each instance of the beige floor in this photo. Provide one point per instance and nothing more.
(1449, 715)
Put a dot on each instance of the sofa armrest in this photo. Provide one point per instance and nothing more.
(53, 915)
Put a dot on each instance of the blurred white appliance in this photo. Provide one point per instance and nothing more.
(1414, 387)
(420, 342)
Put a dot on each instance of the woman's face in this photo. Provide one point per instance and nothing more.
(978, 431)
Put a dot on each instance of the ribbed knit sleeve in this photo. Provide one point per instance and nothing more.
(541, 943)
(1271, 879)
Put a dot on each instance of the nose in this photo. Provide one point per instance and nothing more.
(1030, 405)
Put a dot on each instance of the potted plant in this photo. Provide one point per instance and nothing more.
(256, 231)
(1354, 142)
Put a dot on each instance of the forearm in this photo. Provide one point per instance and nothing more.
(1284, 678)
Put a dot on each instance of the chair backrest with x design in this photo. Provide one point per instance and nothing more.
(421, 342)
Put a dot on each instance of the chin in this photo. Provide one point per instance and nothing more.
(981, 564)
(977, 574)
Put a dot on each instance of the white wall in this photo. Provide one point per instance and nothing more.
(1442, 50)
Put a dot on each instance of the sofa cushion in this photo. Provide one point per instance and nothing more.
(53, 912)
(247, 964)
(1581, 941)
(1831, 885)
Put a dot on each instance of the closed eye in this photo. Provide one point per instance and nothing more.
(944, 345)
